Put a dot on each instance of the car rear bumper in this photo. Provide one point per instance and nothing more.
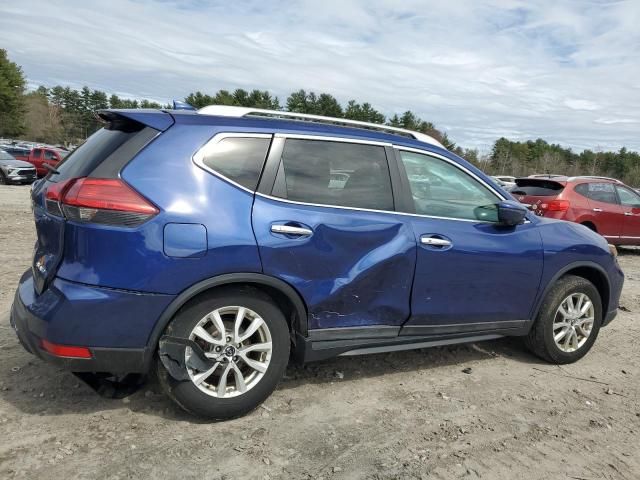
(60, 316)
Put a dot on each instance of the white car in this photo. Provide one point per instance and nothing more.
(506, 181)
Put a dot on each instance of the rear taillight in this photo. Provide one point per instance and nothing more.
(107, 201)
(556, 206)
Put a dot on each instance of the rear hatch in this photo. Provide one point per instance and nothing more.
(541, 194)
(85, 187)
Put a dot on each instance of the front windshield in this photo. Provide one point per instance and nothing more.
(5, 156)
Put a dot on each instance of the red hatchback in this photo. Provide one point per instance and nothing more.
(605, 205)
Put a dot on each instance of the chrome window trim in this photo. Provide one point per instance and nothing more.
(198, 160)
(392, 212)
(198, 157)
(322, 138)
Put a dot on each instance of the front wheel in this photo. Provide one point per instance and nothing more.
(568, 322)
(245, 338)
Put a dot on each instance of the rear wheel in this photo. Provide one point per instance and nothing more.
(568, 322)
(3, 179)
(246, 339)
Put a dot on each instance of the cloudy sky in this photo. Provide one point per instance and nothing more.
(566, 71)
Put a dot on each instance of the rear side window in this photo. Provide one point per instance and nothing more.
(600, 192)
(97, 148)
(238, 158)
(49, 155)
(335, 173)
(537, 188)
(36, 152)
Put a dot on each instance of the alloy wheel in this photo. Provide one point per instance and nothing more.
(239, 342)
(573, 322)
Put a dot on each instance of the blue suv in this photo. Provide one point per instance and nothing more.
(215, 245)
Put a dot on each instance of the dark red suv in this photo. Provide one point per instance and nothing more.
(605, 205)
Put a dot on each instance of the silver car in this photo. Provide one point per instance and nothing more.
(15, 171)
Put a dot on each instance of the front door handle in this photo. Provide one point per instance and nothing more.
(628, 214)
(435, 241)
(597, 209)
(291, 230)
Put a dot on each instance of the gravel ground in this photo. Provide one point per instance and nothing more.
(486, 410)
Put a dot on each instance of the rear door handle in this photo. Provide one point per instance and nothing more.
(597, 209)
(435, 241)
(291, 230)
(628, 214)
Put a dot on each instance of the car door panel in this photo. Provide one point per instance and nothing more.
(354, 269)
(630, 203)
(487, 274)
(608, 214)
(470, 275)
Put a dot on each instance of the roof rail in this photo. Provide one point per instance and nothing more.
(231, 111)
(595, 177)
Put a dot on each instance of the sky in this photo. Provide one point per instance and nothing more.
(565, 71)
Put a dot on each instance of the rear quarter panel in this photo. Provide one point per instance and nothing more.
(164, 173)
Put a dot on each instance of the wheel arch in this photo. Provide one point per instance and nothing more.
(591, 271)
(285, 296)
(590, 225)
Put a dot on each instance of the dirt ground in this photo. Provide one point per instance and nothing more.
(488, 410)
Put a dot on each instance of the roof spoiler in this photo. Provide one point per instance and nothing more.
(121, 119)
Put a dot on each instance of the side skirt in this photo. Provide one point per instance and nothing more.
(324, 344)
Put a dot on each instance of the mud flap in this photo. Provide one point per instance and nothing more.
(172, 356)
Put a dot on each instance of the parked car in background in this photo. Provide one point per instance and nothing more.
(41, 156)
(15, 171)
(289, 233)
(506, 181)
(18, 153)
(605, 205)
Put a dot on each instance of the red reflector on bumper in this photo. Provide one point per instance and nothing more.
(65, 350)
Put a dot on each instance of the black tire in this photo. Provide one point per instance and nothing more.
(3, 179)
(540, 338)
(186, 394)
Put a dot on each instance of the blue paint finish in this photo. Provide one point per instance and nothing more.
(567, 243)
(356, 269)
(469, 282)
(185, 240)
(73, 314)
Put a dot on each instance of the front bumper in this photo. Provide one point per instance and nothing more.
(59, 315)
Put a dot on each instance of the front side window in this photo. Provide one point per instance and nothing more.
(440, 189)
(334, 173)
(36, 152)
(238, 158)
(628, 197)
(600, 192)
(49, 155)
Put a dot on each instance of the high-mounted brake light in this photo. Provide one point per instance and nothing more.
(65, 350)
(108, 201)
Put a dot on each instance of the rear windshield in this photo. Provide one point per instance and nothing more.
(86, 158)
(536, 187)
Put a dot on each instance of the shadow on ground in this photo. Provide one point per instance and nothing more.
(36, 388)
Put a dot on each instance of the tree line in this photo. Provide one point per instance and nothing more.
(538, 156)
(63, 115)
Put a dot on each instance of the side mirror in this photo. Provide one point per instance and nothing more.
(507, 213)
